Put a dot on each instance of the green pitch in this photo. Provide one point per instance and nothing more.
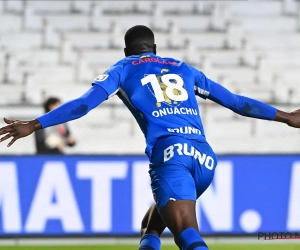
(134, 247)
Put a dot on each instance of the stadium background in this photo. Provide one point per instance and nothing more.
(58, 47)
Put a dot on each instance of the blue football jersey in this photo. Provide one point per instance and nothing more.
(160, 93)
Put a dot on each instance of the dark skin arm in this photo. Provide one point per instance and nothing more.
(18, 129)
(292, 119)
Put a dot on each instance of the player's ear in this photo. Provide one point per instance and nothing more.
(154, 49)
(125, 52)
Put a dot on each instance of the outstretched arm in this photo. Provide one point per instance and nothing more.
(66, 112)
(252, 108)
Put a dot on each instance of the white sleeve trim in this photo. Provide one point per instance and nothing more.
(112, 94)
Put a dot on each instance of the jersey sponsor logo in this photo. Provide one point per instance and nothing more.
(174, 111)
(184, 149)
(185, 130)
(101, 78)
(152, 60)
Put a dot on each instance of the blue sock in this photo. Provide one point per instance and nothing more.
(190, 239)
(150, 242)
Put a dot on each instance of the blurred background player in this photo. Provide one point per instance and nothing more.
(53, 140)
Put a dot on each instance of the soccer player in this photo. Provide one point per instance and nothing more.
(53, 140)
(161, 95)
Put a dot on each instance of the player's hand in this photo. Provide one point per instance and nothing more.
(18, 129)
(294, 119)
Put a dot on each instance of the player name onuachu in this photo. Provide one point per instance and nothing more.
(153, 60)
(175, 111)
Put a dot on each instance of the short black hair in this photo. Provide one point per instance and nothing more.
(139, 39)
(48, 102)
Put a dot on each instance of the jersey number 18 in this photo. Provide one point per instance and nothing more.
(181, 94)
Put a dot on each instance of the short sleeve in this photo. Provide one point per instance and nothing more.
(202, 83)
(111, 79)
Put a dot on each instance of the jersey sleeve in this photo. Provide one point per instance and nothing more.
(202, 83)
(241, 104)
(74, 109)
(111, 79)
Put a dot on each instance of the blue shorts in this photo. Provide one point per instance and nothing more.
(180, 169)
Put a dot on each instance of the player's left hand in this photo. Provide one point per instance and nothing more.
(294, 119)
(18, 129)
